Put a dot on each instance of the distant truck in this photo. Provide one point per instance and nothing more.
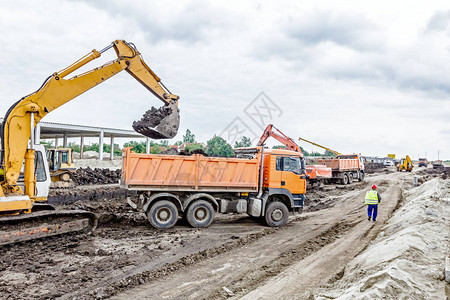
(345, 168)
(437, 164)
(262, 183)
(423, 162)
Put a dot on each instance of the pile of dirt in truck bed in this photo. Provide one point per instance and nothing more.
(371, 168)
(87, 176)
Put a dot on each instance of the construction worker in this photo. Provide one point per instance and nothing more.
(372, 200)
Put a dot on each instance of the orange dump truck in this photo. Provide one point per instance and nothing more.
(196, 187)
(345, 168)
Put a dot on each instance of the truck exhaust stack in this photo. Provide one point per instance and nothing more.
(161, 123)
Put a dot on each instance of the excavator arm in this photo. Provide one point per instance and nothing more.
(57, 90)
(312, 172)
(328, 149)
(279, 136)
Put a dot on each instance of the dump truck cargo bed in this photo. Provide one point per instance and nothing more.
(188, 173)
(340, 164)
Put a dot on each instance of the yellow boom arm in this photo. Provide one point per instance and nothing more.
(56, 91)
(332, 151)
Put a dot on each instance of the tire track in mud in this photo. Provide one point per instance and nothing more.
(328, 263)
(116, 286)
(254, 278)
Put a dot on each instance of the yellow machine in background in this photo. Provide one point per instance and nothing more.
(60, 164)
(405, 164)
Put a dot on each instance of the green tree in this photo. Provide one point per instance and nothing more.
(194, 147)
(164, 143)
(329, 153)
(75, 147)
(156, 149)
(305, 153)
(47, 144)
(189, 137)
(91, 147)
(244, 142)
(138, 147)
(117, 150)
(217, 146)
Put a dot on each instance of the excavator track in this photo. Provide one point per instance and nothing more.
(161, 123)
(42, 224)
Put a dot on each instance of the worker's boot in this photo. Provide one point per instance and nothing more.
(368, 218)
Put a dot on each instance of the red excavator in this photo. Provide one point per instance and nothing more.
(315, 173)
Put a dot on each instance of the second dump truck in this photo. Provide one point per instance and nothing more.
(263, 183)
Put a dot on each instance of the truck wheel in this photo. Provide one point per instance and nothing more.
(350, 178)
(361, 176)
(277, 214)
(200, 214)
(344, 179)
(163, 214)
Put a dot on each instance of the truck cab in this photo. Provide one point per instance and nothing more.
(284, 176)
(423, 162)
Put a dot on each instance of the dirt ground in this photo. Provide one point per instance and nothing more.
(236, 257)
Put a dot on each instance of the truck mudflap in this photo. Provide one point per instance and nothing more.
(41, 224)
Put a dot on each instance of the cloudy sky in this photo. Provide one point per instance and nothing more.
(370, 77)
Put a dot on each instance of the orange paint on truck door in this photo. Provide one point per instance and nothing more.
(290, 176)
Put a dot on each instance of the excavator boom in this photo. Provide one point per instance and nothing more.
(279, 136)
(56, 91)
(313, 172)
(328, 149)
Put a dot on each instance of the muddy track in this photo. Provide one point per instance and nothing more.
(254, 278)
(127, 258)
(250, 267)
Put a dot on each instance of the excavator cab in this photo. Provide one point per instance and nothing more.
(61, 158)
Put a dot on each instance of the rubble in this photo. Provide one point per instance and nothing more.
(88, 176)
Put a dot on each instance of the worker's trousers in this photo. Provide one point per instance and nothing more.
(372, 211)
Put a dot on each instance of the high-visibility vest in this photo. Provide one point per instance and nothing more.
(372, 197)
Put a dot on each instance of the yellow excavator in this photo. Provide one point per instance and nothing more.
(24, 200)
(61, 165)
(405, 164)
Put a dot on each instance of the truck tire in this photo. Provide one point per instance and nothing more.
(277, 214)
(200, 214)
(350, 178)
(163, 214)
(361, 176)
(344, 179)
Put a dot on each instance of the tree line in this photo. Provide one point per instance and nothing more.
(216, 146)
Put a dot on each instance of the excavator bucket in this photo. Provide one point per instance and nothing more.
(161, 123)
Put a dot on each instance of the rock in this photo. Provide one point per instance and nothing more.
(102, 252)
